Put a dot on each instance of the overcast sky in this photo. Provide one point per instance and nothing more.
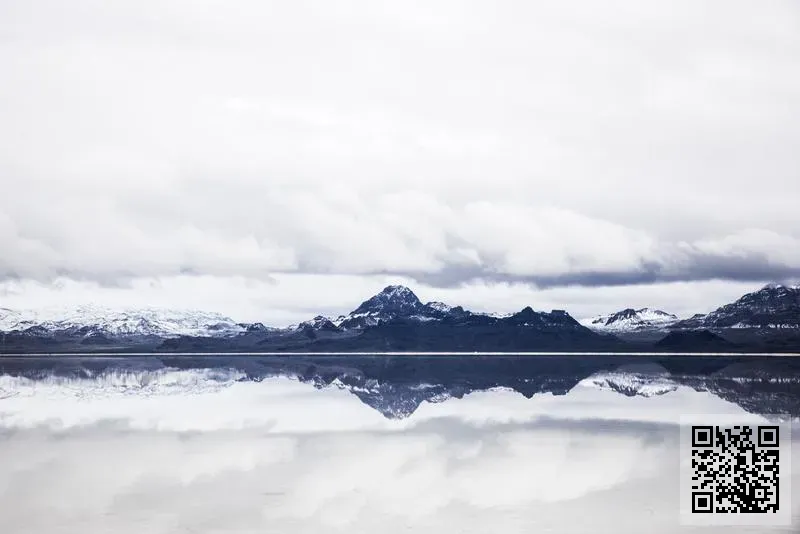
(274, 159)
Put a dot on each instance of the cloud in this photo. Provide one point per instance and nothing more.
(344, 482)
(204, 400)
(442, 143)
(405, 234)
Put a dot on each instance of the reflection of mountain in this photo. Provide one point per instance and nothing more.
(397, 386)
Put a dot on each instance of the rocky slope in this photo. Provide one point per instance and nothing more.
(774, 306)
(393, 302)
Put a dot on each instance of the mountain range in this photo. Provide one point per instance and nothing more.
(766, 320)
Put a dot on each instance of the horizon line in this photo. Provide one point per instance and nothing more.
(391, 353)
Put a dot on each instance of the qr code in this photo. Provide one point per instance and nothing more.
(735, 469)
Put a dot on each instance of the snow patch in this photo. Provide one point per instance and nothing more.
(629, 320)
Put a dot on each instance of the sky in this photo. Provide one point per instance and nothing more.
(271, 160)
(185, 454)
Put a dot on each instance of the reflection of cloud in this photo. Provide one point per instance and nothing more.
(122, 462)
(437, 478)
(197, 400)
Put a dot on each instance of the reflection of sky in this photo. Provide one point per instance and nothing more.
(281, 456)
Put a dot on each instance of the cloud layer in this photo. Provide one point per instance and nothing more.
(446, 143)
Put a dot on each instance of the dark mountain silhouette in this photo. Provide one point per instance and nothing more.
(396, 320)
(773, 306)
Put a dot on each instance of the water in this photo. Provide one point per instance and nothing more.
(358, 443)
(398, 384)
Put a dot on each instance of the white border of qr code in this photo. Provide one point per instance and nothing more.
(780, 518)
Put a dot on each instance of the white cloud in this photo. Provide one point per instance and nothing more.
(447, 141)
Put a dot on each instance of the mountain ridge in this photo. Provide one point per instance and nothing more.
(772, 306)
(123, 321)
(631, 319)
(395, 319)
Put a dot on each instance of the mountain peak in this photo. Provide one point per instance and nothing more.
(773, 306)
(772, 286)
(396, 290)
(393, 299)
(526, 316)
(320, 322)
(439, 306)
(630, 319)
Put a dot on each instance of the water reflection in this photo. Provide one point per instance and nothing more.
(220, 448)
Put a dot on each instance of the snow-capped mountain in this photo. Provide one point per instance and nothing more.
(15, 320)
(99, 320)
(395, 319)
(440, 307)
(629, 320)
(399, 302)
(319, 322)
(774, 306)
(393, 302)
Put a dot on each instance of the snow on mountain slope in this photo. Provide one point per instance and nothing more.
(400, 303)
(15, 320)
(649, 314)
(630, 384)
(629, 320)
(320, 322)
(122, 322)
(390, 303)
(392, 300)
(773, 306)
(440, 307)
